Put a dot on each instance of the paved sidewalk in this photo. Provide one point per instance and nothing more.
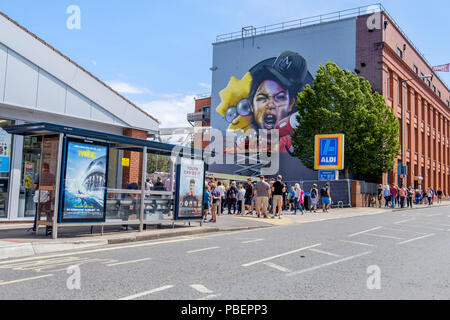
(16, 241)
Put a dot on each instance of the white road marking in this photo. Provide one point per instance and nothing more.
(279, 255)
(3, 283)
(138, 295)
(402, 230)
(439, 224)
(204, 249)
(434, 215)
(200, 288)
(276, 266)
(255, 240)
(420, 226)
(361, 243)
(325, 252)
(127, 262)
(328, 264)
(418, 238)
(404, 220)
(211, 296)
(361, 232)
(383, 236)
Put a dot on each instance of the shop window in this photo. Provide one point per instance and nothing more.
(5, 166)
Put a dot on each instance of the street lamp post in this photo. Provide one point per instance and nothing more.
(401, 113)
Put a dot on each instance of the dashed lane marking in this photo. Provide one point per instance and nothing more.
(4, 283)
(418, 238)
(200, 288)
(280, 255)
(276, 266)
(138, 295)
(326, 253)
(127, 262)
(402, 230)
(255, 240)
(328, 264)
(360, 243)
(421, 226)
(211, 296)
(204, 249)
(361, 232)
(406, 220)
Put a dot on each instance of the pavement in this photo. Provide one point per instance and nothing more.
(16, 241)
(365, 254)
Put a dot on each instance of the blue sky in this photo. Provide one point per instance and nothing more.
(158, 53)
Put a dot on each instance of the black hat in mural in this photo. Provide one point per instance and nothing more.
(290, 69)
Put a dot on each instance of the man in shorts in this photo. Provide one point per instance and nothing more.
(262, 194)
(277, 202)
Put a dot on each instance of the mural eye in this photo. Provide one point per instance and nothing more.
(231, 114)
(243, 107)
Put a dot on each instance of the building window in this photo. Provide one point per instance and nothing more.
(422, 75)
(399, 90)
(434, 89)
(5, 166)
(428, 83)
(389, 84)
(439, 94)
(416, 70)
(448, 103)
(400, 53)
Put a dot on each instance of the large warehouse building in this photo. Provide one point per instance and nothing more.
(258, 66)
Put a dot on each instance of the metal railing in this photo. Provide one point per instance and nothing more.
(309, 21)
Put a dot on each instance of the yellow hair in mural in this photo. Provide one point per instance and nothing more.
(235, 91)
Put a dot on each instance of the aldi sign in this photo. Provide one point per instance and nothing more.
(329, 152)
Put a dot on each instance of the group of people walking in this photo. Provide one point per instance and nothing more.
(395, 196)
(263, 198)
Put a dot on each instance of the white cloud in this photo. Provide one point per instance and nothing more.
(94, 62)
(205, 85)
(171, 112)
(126, 88)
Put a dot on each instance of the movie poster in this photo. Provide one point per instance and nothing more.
(85, 181)
(191, 182)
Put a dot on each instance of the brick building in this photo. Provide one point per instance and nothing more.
(387, 58)
(201, 121)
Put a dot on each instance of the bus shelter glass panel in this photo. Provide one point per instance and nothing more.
(124, 190)
(46, 180)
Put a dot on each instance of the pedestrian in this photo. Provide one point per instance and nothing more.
(232, 197)
(326, 197)
(206, 202)
(291, 198)
(221, 189)
(439, 195)
(402, 195)
(262, 194)
(148, 184)
(430, 196)
(271, 196)
(298, 194)
(278, 190)
(379, 194)
(424, 197)
(394, 194)
(240, 199)
(314, 197)
(410, 197)
(248, 196)
(387, 196)
(215, 195)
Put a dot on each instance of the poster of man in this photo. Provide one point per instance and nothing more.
(191, 177)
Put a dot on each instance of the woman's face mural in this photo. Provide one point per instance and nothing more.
(271, 103)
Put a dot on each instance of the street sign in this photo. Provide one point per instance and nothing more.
(328, 175)
(329, 152)
(402, 170)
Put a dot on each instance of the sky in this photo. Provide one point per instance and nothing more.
(158, 53)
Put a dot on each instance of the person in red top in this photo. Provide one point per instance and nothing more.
(394, 194)
(402, 194)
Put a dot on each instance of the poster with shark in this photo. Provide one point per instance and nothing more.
(85, 181)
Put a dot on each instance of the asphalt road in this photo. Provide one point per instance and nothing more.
(392, 255)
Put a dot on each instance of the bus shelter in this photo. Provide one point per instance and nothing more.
(91, 178)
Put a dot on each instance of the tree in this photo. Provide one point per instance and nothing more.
(341, 102)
